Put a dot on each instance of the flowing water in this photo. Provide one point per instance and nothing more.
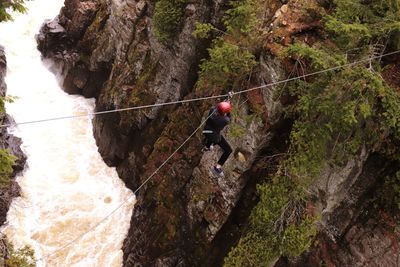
(66, 187)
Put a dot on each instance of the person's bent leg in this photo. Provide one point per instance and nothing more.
(208, 144)
(227, 151)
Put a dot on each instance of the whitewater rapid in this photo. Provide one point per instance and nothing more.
(66, 187)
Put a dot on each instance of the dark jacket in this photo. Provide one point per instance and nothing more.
(215, 124)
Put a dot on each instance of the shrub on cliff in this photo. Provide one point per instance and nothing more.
(278, 226)
(10, 257)
(226, 64)
(7, 161)
(358, 23)
(167, 18)
(231, 56)
(11, 5)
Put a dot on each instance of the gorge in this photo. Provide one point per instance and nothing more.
(313, 178)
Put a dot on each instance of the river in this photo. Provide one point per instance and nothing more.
(66, 187)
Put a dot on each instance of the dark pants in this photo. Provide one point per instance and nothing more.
(223, 144)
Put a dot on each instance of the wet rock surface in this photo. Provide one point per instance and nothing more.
(10, 143)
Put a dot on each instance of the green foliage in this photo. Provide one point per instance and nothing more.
(2, 106)
(368, 108)
(230, 57)
(271, 233)
(318, 57)
(356, 23)
(226, 64)
(203, 30)
(23, 257)
(236, 128)
(7, 161)
(10, 257)
(352, 107)
(167, 18)
(341, 128)
(241, 18)
(251, 251)
(3, 100)
(13, 5)
(298, 238)
(241, 23)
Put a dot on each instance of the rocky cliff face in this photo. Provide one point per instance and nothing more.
(355, 232)
(12, 144)
(118, 42)
(107, 50)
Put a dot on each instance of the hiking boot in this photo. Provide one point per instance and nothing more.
(206, 149)
(218, 171)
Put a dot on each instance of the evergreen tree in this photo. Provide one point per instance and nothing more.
(6, 6)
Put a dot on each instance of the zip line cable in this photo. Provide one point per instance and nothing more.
(202, 98)
(128, 199)
(115, 110)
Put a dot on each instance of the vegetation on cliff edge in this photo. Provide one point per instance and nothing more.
(168, 15)
(13, 5)
(230, 57)
(7, 160)
(353, 109)
(11, 257)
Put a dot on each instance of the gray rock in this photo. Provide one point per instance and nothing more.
(10, 143)
(108, 50)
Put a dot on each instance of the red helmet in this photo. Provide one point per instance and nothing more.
(224, 107)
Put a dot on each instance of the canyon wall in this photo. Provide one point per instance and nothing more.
(108, 50)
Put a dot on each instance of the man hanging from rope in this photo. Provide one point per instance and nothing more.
(219, 117)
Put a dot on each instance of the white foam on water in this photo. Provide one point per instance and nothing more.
(66, 187)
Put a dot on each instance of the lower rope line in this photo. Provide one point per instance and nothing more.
(127, 200)
(114, 110)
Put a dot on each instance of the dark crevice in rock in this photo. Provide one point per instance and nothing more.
(79, 80)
